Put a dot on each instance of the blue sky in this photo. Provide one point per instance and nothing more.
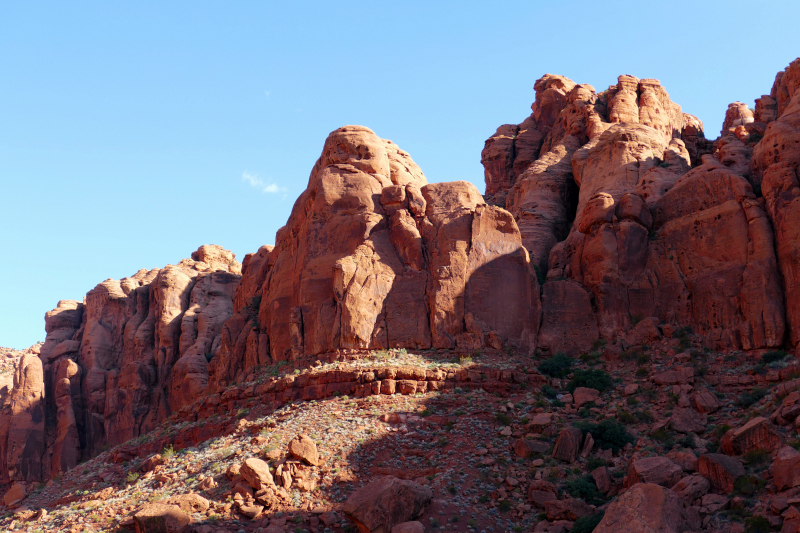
(132, 133)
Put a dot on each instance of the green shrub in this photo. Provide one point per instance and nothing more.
(747, 485)
(773, 356)
(594, 463)
(557, 366)
(593, 378)
(587, 524)
(548, 391)
(584, 488)
(749, 398)
(756, 457)
(664, 436)
(608, 434)
(753, 524)
(503, 419)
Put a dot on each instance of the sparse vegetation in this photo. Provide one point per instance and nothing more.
(557, 366)
(593, 378)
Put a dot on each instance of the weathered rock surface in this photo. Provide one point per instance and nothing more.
(721, 470)
(786, 468)
(658, 470)
(756, 434)
(382, 504)
(648, 508)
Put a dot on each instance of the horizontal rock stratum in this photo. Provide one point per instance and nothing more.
(603, 211)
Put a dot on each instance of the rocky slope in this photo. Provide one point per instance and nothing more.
(610, 229)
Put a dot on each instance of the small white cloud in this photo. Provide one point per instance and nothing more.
(266, 93)
(258, 183)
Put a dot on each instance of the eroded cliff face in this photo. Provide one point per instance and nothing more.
(601, 209)
(630, 212)
(115, 365)
(374, 257)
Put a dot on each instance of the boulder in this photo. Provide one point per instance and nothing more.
(584, 395)
(785, 468)
(526, 448)
(190, 503)
(721, 471)
(686, 420)
(657, 470)
(567, 509)
(382, 504)
(705, 401)
(756, 434)
(648, 508)
(303, 447)
(677, 376)
(161, 518)
(409, 527)
(14, 494)
(690, 488)
(256, 473)
(568, 444)
(646, 331)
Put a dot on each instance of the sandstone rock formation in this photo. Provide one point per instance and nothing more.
(114, 366)
(627, 201)
(608, 219)
(373, 257)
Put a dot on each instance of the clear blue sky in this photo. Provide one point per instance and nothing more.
(131, 133)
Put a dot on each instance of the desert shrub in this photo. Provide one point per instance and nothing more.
(584, 488)
(557, 366)
(753, 524)
(548, 391)
(756, 457)
(594, 463)
(587, 524)
(749, 398)
(608, 434)
(593, 378)
(773, 356)
(747, 485)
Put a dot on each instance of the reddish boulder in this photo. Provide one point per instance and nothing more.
(785, 468)
(756, 434)
(648, 508)
(568, 444)
(161, 518)
(705, 401)
(584, 395)
(690, 488)
(658, 470)
(678, 376)
(568, 509)
(303, 447)
(721, 470)
(686, 420)
(380, 505)
(526, 448)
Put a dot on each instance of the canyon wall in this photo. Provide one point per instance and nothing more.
(601, 209)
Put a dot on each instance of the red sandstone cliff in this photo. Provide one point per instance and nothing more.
(615, 199)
